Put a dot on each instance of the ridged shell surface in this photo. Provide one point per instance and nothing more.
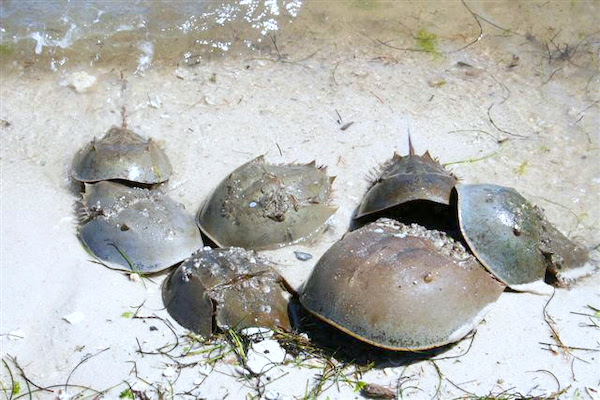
(136, 229)
(261, 206)
(400, 287)
(408, 178)
(121, 154)
(512, 238)
(238, 287)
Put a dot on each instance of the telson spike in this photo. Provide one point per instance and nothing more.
(411, 149)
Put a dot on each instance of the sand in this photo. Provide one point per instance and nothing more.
(532, 126)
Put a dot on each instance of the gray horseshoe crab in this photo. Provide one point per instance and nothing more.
(124, 155)
(400, 287)
(261, 206)
(231, 288)
(418, 184)
(136, 229)
(513, 239)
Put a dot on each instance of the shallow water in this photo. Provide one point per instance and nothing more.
(59, 34)
(62, 32)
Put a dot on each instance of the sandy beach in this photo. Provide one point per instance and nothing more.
(507, 106)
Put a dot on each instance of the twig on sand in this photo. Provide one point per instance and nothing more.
(274, 41)
(160, 350)
(562, 346)
(551, 323)
(85, 359)
(440, 378)
(33, 388)
(470, 336)
(476, 17)
(554, 332)
(402, 380)
(471, 394)
(551, 76)
(582, 112)
(497, 127)
(282, 58)
(472, 160)
(496, 138)
(564, 207)
(558, 387)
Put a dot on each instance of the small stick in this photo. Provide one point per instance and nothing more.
(339, 120)
(562, 346)
(346, 125)
(80, 363)
(496, 126)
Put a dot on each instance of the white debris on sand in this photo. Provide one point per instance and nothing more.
(81, 81)
(257, 333)
(74, 318)
(264, 355)
(154, 101)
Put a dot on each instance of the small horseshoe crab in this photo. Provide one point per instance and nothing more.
(400, 287)
(417, 184)
(121, 155)
(262, 206)
(136, 229)
(513, 239)
(228, 288)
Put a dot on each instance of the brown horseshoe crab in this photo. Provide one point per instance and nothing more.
(418, 180)
(400, 287)
(260, 206)
(513, 239)
(237, 287)
(136, 229)
(121, 155)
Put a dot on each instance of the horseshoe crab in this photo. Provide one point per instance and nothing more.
(124, 155)
(513, 239)
(400, 287)
(261, 206)
(237, 287)
(419, 180)
(136, 229)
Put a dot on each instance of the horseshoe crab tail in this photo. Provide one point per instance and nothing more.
(411, 149)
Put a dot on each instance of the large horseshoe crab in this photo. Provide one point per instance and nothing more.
(261, 206)
(227, 288)
(400, 287)
(136, 229)
(121, 154)
(513, 239)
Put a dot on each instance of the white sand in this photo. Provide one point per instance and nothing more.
(209, 128)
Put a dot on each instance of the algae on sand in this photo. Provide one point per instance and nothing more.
(427, 41)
